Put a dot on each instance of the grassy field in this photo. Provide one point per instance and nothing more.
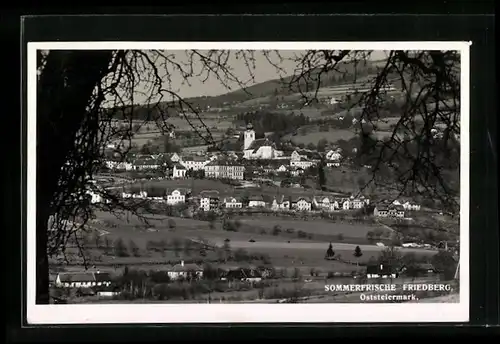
(313, 137)
(283, 251)
(311, 226)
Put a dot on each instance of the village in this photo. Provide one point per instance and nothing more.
(235, 189)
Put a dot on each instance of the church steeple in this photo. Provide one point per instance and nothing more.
(249, 136)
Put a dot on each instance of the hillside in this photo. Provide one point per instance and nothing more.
(269, 89)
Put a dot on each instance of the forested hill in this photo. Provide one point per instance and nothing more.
(277, 87)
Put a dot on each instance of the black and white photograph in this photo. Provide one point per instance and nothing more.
(204, 182)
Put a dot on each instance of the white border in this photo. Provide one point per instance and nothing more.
(247, 313)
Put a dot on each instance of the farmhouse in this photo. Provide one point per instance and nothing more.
(182, 270)
(381, 271)
(82, 279)
(258, 149)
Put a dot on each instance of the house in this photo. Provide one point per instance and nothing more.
(303, 163)
(258, 149)
(325, 203)
(381, 271)
(194, 163)
(129, 194)
(280, 203)
(94, 197)
(256, 201)
(209, 200)
(146, 163)
(422, 269)
(282, 168)
(170, 157)
(118, 165)
(184, 271)
(332, 163)
(389, 211)
(356, 203)
(233, 202)
(333, 155)
(177, 196)
(296, 171)
(224, 169)
(410, 206)
(301, 204)
(178, 171)
(82, 279)
(244, 274)
(346, 204)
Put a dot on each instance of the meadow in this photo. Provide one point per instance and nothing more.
(314, 137)
(282, 250)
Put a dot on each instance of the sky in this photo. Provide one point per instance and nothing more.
(261, 70)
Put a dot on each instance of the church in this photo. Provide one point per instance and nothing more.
(258, 149)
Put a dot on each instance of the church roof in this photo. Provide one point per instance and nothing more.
(261, 143)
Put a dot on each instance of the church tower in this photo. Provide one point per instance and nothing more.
(249, 136)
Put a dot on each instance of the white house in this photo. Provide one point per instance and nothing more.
(209, 200)
(325, 203)
(232, 203)
(296, 171)
(178, 171)
(185, 270)
(176, 197)
(303, 163)
(282, 168)
(409, 206)
(82, 279)
(333, 155)
(302, 204)
(346, 204)
(280, 203)
(94, 197)
(256, 201)
(141, 194)
(194, 162)
(332, 163)
(356, 203)
(258, 149)
(119, 165)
